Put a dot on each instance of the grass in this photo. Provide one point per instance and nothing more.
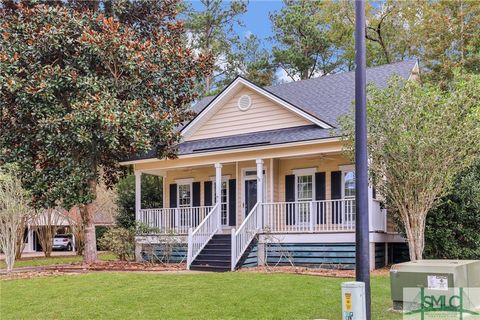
(34, 262)
(182, 296)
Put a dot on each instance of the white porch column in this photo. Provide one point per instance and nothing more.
(138, 194)
(259, 180)
(218, 189)
(370, 208)
(260, 192)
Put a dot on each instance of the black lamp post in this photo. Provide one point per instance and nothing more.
(362, 259)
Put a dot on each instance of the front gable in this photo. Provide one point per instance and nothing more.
(245, 108)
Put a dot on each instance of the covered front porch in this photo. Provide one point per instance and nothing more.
(297, 195)
(277, 217)
(220, 208)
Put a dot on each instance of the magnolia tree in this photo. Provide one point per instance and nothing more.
(419, 139)
(14, 211)
(80, 92)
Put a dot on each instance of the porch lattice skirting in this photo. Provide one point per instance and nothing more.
(317, 255)
(331, 255)
(161, 253)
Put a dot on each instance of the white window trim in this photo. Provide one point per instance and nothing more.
(345, 169)
(313, 184)
(304, 171)
(184, 182)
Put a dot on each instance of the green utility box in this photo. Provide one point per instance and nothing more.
(434, 275)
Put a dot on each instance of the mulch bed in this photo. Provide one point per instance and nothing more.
(336, 273)
(78, 268)
(324, 272)
(124, 266)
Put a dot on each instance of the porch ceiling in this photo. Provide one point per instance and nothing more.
(315, 148)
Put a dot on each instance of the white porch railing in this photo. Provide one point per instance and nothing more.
(309, 216)
(176, 220)
(245, 233)
(378, 217)
(198, 238)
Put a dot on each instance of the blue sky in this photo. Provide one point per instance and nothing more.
(256, 18)
(256, 21)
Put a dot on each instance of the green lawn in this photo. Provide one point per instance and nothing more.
(182, 296)
(33, 262)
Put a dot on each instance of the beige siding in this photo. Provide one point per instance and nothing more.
(325, 164)
(197, 174)
(263, 114)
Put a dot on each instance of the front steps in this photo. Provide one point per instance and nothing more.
(216, 256)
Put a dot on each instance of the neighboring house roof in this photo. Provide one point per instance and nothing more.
(63, 217)
(325, 98)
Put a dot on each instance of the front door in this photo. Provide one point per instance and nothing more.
(250, 195)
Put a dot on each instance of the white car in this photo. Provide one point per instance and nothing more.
(63, 242)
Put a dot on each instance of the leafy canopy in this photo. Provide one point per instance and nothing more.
(211, 31)
(302, 45)
(79, 92)
(419, 138)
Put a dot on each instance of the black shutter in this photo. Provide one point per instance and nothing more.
(196, 194)
(173, 202)
(320, 195)
(336, 186)
(207, 193)
(290, 197)
(173, 195)
(232, 203)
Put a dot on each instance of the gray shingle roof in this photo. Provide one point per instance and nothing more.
(326, 98)
(331, 96)
(270, 137)
(247, 140)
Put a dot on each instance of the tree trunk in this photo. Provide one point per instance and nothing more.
(416, 241)
(20, 245)
(9, 244)
(87, 212)
(208, 80)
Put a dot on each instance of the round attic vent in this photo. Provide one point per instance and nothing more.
(244, 102)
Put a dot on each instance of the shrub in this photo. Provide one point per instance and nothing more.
(119, 241)
(152, 193)
(452, 228)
